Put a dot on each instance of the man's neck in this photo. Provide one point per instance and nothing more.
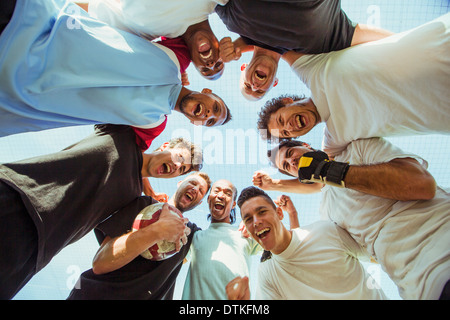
(284, 244)
(172, 203)
(221, 221)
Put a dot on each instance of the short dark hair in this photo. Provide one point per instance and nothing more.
(196, 159)
(270, 107)
(204, 176)
(252, 192)
(272, 153)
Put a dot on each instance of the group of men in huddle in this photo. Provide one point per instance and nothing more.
(121, 65)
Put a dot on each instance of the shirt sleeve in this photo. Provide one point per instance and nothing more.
(145, 136)
(339, 28)
(379, 150)
(108, 11)
(264, 289)
(121, 221)
(181, 50)
(341, 35)
(262, 45)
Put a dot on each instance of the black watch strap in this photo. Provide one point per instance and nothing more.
(336, 173)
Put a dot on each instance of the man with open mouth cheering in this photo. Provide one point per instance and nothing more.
(219, 253)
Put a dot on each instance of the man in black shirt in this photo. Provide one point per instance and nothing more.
(271, 28)
(51, 201)
(119, 272)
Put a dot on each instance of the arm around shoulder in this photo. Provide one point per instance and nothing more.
(291, 56)
(264, 181)
(365, 33)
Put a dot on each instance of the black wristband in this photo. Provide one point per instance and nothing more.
(336, 172)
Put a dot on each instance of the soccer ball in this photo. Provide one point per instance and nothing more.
(163, 249)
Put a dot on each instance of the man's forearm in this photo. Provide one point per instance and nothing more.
(117, 252)
(365, 33)
(243, 47)
(399, 179)
(295, 186)
(293, 220)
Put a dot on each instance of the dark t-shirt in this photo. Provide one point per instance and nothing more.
(141, 279)
(306, 26)
(70, 192)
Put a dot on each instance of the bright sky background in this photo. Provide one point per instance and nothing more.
(235, 150)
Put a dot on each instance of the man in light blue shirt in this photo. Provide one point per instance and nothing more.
(60, 67)
(220, 253)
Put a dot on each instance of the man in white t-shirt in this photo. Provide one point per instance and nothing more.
(318, 261)
(388, 202)
(152, 19)
(394, 86)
